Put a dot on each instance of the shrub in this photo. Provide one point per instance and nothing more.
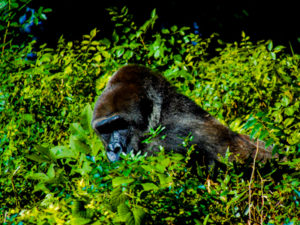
(54, 169)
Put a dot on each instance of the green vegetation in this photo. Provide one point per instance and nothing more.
(53, 168)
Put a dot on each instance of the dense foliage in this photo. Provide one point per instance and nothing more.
(53, 168)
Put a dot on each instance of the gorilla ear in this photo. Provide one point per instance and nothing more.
(110, 124)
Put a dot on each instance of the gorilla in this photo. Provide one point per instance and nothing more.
(137, 99)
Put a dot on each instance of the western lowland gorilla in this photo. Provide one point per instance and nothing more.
(137, 99)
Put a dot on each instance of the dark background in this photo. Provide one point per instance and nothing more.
(261, 20)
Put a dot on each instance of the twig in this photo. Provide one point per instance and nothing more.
(13, 185)
(262, 199)
(5, 215)
(251, 179)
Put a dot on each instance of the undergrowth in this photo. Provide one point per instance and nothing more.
(53, 168)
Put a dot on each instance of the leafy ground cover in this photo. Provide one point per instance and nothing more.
(53, 168)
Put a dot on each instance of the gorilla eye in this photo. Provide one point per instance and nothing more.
(111, 124)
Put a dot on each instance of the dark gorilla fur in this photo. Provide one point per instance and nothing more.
(137, 99)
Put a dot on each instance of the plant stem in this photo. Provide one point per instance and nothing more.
(251, 180)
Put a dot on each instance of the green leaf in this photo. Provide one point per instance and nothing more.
(278, 48)
(289, 111)
(121, 180)
(51, 171)
(270, 45)
(85, 170)
(148, 168)
(86, 119)
(294, 138)
(38, 158)
(41, 187)
(93, 33)
(165, 180)
(14, 24)
(43, 16)
(78, 131)
(124, 212)
(138, 214)
(85, 42)
(236, 124)
(153, 13)
(250, 122)
(178, 157)
(127, 30)
(165, 31)
(68, 70)
(269, 142)
(29, 118)
(273, 55)
(174, 28)
(120, 52)
(165, 162)
(149, 187)
(91, 48)
(160, 168)
(157, 53)
(206, 220)
(278, 117)
(39, 176)
(172, 40)
(246, 212)
(197, 222)
(14, 5)
(45, 151)
(95, 43)
(243, 34)
(79, 146)
(61, 152)
(3, 3)
(255, 130)
(128, 54)
(263, 134)
(97, 223)
(139, 33)
(288, 122)
(80, 220)
(47, 10)
(285, 100)
(115, 37)
(105, 42)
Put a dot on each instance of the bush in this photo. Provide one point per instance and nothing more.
(54, 169)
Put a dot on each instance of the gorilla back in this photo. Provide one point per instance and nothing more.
(136, 99)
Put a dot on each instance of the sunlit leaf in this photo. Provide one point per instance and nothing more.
(121, 180)
(51, 171)
(93, 33)
(139, 215)
(149, 187)
(124, 212)
(61, 152)
(270, 45)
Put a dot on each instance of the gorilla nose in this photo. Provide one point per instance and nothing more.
(115, 148)
(113, 152)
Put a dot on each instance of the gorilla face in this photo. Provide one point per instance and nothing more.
(122, 113)
(115, 132)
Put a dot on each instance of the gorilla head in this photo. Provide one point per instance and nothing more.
(137, 99)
